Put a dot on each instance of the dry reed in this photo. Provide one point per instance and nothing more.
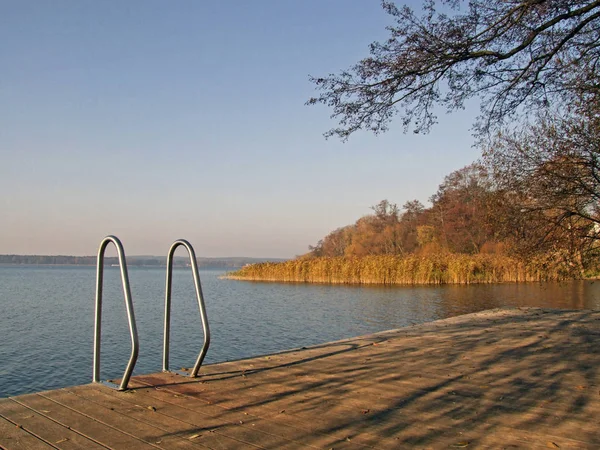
(443, 268)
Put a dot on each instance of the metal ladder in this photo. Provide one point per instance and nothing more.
(131, 316)
(201, 307)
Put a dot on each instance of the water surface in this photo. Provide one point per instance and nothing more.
(47, 317)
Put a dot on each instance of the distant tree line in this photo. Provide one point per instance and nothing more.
(203, 263)
(50, 259)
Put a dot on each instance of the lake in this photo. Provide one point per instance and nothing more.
(47, 317)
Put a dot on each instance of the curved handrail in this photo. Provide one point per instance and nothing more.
(201, 306)
(98, 315)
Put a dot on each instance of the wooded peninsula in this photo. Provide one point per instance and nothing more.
(530, 208)
(475, 231)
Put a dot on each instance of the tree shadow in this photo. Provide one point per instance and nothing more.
(502, 378)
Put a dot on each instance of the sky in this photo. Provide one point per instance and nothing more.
(156, 120)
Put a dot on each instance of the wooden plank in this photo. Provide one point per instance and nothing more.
(242, 427)
(98, 431)
(248, 397)
(52, 432)
(231, 423)
(12, 437)
(274, 422)
(161, 416)
(178, 393)
(171, 434)
(341, 428)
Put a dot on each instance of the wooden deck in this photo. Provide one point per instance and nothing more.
(518, 378)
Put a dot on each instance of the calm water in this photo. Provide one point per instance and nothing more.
(46, 323)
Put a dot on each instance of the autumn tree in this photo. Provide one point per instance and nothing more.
(462, 210)
(387, 231)
(335, 243)
(378, 233)
(386, 212)
(515, 55)
(414, 216)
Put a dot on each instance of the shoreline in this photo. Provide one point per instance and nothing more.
(398, 284)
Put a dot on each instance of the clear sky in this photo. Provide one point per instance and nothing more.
(156, 120)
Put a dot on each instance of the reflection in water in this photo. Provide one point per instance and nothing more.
(49, 327)
(567, 295)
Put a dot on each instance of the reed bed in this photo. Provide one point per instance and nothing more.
(443, 268)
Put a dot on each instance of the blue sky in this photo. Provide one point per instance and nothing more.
(157, 120)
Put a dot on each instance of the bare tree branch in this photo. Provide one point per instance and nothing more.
(517, 56)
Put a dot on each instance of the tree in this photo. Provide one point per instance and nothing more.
(334, 244)
(552, 169)
(462, 211)
(414, 216)
(386, 212)
(555, 162)
(381, 233)
(515, 55)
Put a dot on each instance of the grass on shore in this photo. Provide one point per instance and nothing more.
(443, 268)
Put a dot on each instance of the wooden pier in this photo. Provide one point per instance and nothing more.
(514, 378)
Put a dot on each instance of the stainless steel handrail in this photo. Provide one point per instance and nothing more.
(201, 306)
(98, 315)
